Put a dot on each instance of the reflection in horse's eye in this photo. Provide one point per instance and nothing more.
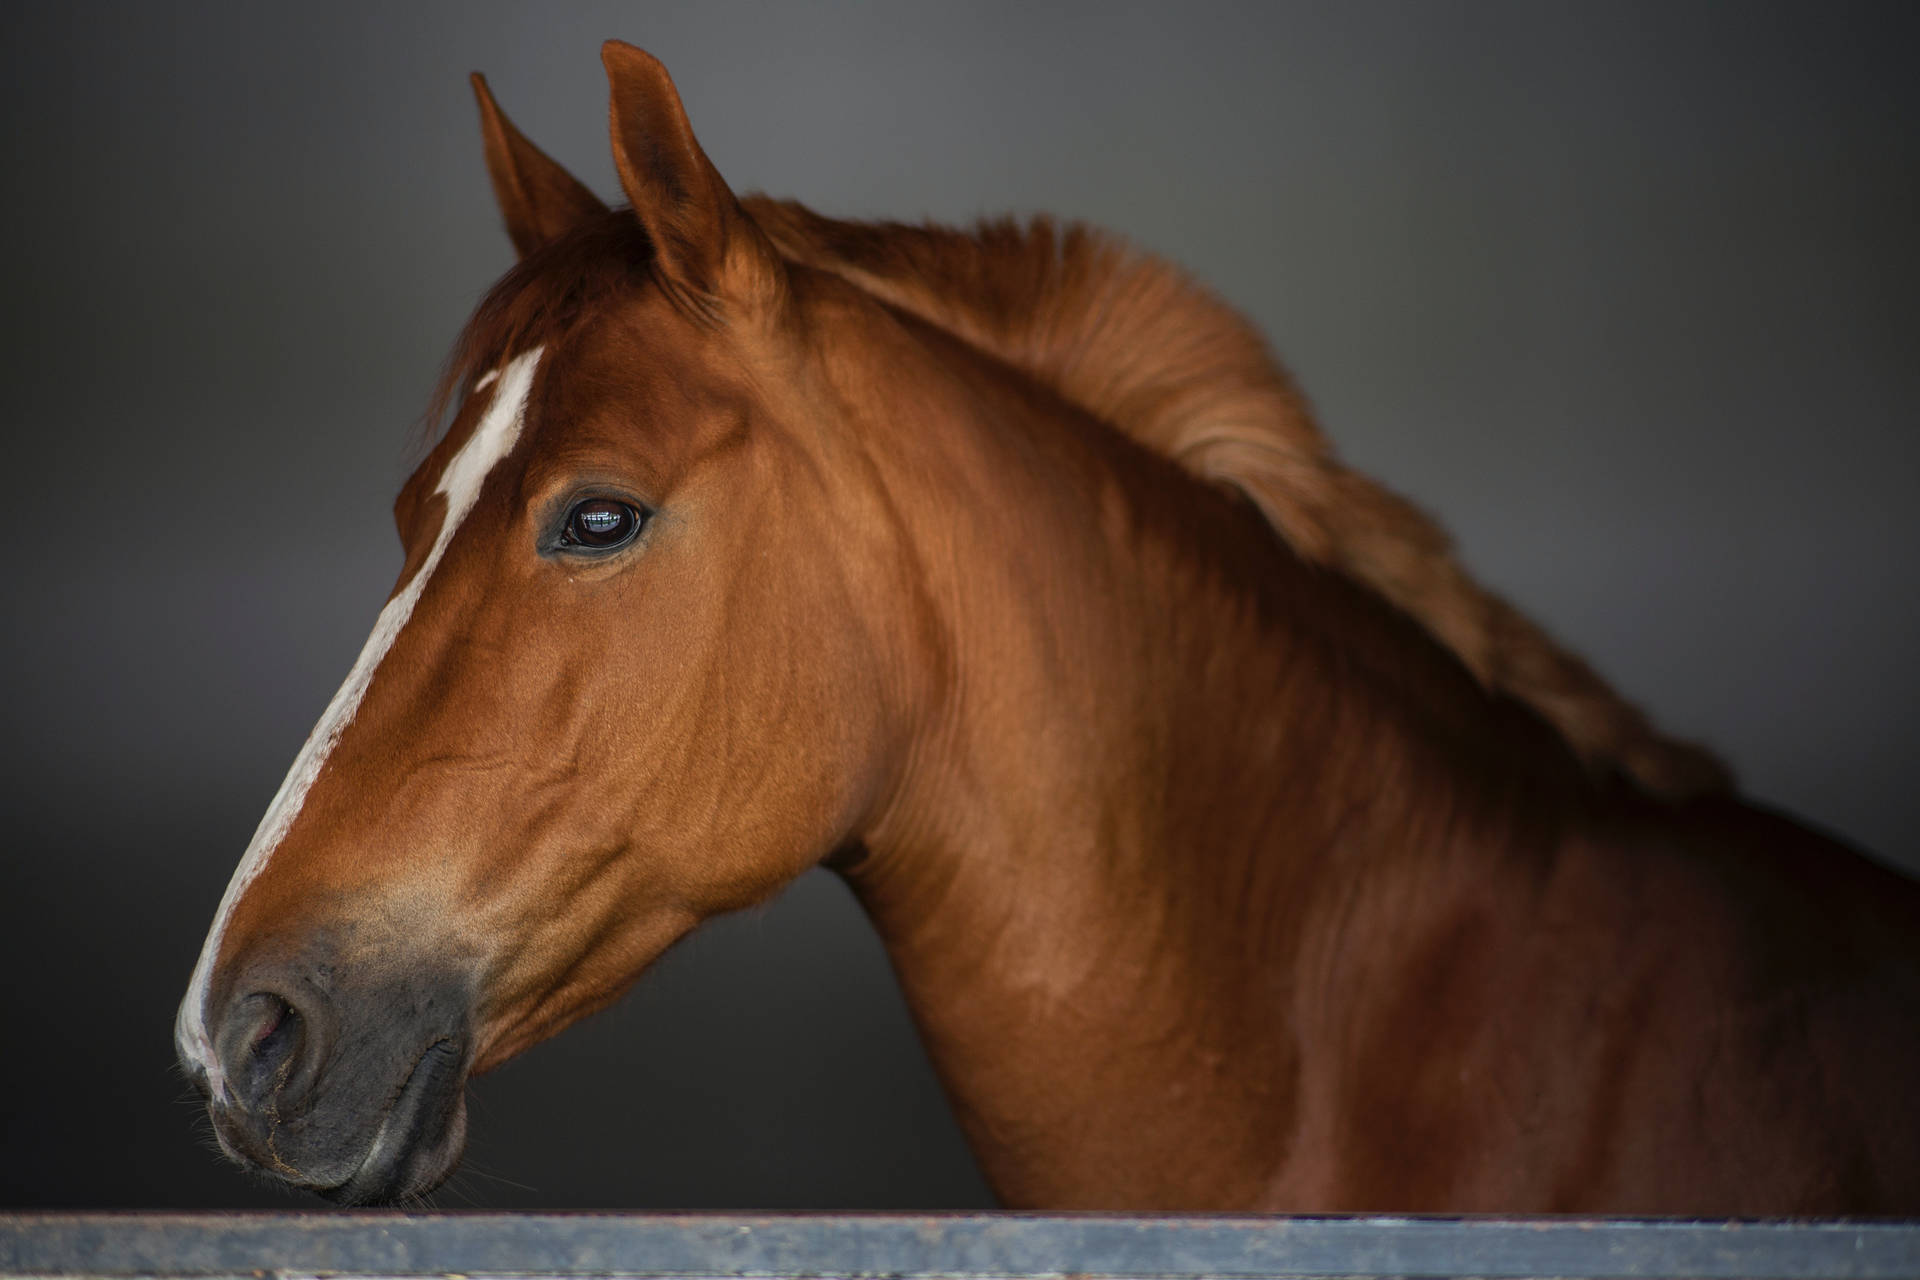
(601, 524)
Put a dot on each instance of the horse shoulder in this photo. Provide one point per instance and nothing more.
(1740, 1004)
(1677, 1008)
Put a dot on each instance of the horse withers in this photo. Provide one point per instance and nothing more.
(1234, 849)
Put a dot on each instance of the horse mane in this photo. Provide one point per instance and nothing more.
(1135, 342)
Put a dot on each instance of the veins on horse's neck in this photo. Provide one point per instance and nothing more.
(1171, 752)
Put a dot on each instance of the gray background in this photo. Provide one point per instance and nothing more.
(1629, 295)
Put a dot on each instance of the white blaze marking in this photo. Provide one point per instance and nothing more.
(491, 441)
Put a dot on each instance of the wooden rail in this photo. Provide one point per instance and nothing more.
(965, 1246)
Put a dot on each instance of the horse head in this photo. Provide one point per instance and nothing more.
(631, 675)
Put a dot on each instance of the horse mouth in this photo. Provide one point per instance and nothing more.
(420, 1137)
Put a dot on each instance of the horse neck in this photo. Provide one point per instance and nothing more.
(1164, 758)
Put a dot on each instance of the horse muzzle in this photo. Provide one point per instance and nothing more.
(345, 1083)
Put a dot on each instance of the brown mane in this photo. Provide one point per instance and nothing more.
(1132, 340)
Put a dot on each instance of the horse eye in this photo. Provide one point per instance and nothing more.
(600, 524)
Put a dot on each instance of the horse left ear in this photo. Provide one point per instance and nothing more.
(705, 246)
(539, 200)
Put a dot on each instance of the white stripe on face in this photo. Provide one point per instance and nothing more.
(491, 441)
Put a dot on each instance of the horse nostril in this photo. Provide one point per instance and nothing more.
(266, 1035)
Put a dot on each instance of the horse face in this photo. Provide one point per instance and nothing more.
(621, 685)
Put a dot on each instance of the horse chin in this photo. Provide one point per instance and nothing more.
(420, 1138)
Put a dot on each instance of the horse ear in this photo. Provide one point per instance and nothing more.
(539, 200)
(704, 244)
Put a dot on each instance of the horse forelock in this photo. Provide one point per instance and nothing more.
(538, 301)
(1146, 349)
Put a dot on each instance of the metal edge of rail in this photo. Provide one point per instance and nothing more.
(974, 1246)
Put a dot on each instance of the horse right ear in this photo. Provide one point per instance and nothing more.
(539, 200)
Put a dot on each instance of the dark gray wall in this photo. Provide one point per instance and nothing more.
(1629, 295)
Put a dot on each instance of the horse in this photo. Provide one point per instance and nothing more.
(1234, 849)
